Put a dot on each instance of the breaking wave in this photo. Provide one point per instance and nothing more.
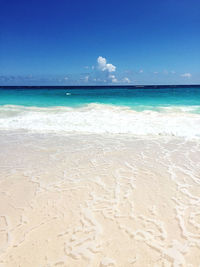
(99, 118)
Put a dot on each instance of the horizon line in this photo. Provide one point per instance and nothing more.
(129, 86)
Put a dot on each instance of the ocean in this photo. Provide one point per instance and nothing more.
(165, 111)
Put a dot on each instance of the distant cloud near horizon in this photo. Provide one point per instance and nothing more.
(126, 80)
(103, 73)
(104, 66)
(113, 78)
(86, 79)
(186, 75)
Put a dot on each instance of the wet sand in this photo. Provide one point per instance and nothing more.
(99, 200)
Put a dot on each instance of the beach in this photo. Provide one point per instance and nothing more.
(100, 133)
(86, 199)
(100, 177)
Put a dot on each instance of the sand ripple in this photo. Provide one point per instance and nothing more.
(99, 200)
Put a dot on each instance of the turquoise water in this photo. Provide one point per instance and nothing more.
(137, 99)
(149, 112)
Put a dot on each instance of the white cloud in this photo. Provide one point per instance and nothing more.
(141, 71)
(104, 66)
(113, 78)
(126, 80)
(66, 78)
(155, 72)
(86, 78)
(186, 75)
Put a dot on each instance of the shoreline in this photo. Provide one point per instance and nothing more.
(102, 119)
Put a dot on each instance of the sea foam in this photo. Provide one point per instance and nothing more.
(98, 118)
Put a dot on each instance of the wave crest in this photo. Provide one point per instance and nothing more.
(98, 118)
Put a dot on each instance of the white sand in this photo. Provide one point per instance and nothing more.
(97, 200)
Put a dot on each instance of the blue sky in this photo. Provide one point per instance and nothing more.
(99, 42)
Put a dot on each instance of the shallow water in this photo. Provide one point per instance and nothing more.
(97, 118)
(137, 99)
(146, 112)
